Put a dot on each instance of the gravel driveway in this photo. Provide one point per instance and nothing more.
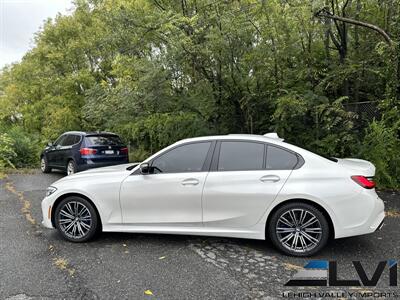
(37, 264)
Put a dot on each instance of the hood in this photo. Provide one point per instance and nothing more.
(357, 166)
(110, 169)
(117, 170)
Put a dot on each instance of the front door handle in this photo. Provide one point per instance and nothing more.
(270, 178)
(190, 181)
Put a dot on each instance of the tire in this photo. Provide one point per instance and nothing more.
(44, 165)
(71, 167)
(311, 238)
(69, 216)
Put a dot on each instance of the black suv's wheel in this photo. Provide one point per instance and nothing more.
(44, 166)
(76, 219)
(71, 167)
(299, 229)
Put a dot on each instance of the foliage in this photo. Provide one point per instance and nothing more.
(159, 71)
(314, 122)
(7, 153)
(381, 145)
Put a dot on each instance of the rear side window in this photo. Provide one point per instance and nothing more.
(103, 140)
(241, 156)
(77, 139)
(185, 158)
(280, 159)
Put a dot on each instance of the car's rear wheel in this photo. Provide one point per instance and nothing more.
(76, 219)
(44, 165)
(71, 167)
(299, 229)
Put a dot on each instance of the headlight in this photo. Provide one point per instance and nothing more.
(50, 190)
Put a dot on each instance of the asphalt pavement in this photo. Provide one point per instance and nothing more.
(35, 263)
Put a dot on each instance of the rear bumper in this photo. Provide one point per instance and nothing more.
(380, 225)
(373, 218)
(90, 164)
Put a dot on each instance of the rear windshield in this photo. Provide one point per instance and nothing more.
(103, 140)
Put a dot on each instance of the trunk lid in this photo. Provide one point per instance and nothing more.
(357, 166)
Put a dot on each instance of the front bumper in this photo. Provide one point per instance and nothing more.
(47, 206)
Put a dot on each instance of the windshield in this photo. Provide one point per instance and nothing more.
(103, 140)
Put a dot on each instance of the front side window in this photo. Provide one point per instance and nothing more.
(69, 140)
(59, 140)
(185, 158)
(280, 159)
(241, 156)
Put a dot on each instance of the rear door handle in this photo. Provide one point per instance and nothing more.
(270, 178)
(190, 181)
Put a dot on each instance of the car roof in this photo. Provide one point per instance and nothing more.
(90, 133)
(249, 137)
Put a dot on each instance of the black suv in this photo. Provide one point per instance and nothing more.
(76, 151)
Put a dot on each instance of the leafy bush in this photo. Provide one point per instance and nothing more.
(311, 121)
(158, 130)
(7, 153)
(26, 146)
(18, 148)
(381, 146)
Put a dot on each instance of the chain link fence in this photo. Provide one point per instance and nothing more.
(366, 111)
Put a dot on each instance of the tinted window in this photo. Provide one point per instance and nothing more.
(279, 159)
(77, 139)
(69, 140)
(186, 158)
(60, 140)
(66, 140)
(103, 140)
(237, 156)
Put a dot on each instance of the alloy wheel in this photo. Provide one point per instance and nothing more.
(42, 164)
(299, 230)
(70, 168)
(75, 219)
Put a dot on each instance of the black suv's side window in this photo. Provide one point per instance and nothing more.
(185, 158)
(280, 159)
(60, 140)
(241, 156)
(70, 140)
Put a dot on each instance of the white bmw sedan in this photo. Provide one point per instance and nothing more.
(243, 186)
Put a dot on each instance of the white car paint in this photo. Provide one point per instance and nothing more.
(229, 203)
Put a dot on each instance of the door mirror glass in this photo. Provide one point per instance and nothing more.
(49, 144)
(144, 168)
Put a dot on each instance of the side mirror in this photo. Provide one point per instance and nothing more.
(50, 144)
(144, 168)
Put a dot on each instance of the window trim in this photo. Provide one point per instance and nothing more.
(217, 152)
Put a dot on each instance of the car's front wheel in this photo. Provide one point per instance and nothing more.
(44, 165)
(76, 219)
(71, 167)
(299, 229)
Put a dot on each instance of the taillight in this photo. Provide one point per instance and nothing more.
(123, 150)
(365, 182)
(87, 151)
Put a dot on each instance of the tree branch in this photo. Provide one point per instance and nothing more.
(323, 13)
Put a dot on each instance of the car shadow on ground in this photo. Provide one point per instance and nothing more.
(348, 247)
